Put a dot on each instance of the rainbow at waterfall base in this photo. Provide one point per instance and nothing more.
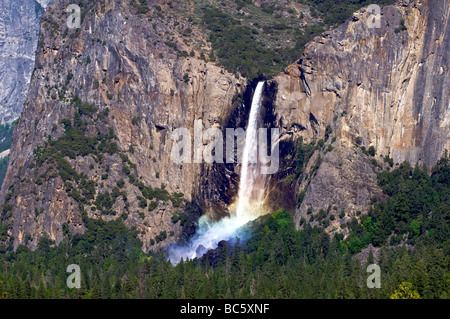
(250, 196)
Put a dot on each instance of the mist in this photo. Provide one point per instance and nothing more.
(249, 203)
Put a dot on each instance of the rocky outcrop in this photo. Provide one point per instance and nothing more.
(344, 186)
(125, 65)
(145, 77)
(19, 30)
(386, 87)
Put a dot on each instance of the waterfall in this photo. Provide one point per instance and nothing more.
(250, 173)
(250, 194)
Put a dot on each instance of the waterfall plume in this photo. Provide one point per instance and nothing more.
(250, 196)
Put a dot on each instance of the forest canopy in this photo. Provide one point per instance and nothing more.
(278, 261)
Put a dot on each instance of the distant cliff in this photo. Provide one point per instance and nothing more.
(19, 30)
(94, 136)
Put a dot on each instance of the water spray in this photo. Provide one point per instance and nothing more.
(250, 196)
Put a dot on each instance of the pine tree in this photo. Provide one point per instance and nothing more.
(405, 291)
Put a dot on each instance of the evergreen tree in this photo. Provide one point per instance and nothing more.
(405, 291)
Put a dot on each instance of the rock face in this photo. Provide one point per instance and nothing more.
(389, 86)
(19, 30)
(343, 186)
(125, 66)
(126, 76)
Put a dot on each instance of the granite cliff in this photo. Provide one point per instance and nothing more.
(386, 88)
(118, 86)
(131, 70)
(19, 31)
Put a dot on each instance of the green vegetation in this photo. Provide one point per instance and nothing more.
(239, 49)
(371, 150)
(416, 211)
(302, 155)
(401, 28)
(105, 201)
(6, 132)
(136, 120)
(335, 12)
(158, 194)
(162, 235)
(389, 160)
(405, 291)
(141, 6)
(74, 142)
(109, 244)
(120, 183)
(328, 132)
(152, 206)
(277, 262)
(263, 40)
(3, 167)
(296, 164)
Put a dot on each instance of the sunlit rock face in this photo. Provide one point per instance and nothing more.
(384, 87)
(120, 62)
(387, 85)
